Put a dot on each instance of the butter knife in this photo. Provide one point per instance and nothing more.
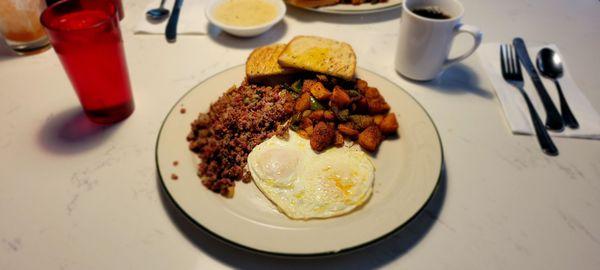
(171, 31)
(553, 119)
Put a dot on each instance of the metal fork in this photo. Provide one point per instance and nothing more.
(511, 71)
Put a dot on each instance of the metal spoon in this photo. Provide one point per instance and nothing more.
(158, 14)
(549, 64)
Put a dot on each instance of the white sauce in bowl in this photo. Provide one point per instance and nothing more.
(245, 13)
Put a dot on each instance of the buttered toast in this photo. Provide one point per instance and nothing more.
(262, 62)
(320, 55)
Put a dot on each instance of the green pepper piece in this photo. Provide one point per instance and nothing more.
(297, 86)
(315, 105)
(296, 118)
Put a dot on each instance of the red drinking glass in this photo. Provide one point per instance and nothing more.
(119, 5)
(86, 37)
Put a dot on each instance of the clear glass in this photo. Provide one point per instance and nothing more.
(86, 37)
(20, 25)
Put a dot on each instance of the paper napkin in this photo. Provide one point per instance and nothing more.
(515, 108)
(192, 20)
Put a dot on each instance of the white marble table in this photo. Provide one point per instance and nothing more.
(75, 196)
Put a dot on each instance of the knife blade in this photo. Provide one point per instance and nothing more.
(171, 30)
(553, 119)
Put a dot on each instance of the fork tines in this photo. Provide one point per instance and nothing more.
(511, 69)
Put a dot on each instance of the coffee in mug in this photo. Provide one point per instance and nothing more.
(431, 12)
(427, 29)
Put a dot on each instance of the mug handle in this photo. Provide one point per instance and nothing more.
(475, 33)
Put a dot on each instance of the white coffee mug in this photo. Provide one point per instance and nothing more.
(424, 43)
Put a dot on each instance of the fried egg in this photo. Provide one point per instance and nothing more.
(304, 184)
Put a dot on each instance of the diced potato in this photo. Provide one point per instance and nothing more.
(370, 138)
(307, 84)
(309, 130)
(378, 106)
(389, 125)
(316, 115)
(302, 103)
(378, 118)
(305, 123)
(306, 113)
(372, 93)
(319, 91)
(339, 98)
(362, 105)
(302, 133)
(339, 139)
(288, 108)
(323, 136)
(361, 121)
(348, 131)
(328, 115)
(362, 86)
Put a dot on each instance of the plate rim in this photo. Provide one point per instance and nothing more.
(295, 255)
(348, 12)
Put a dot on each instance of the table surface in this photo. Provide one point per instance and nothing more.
(77, 196)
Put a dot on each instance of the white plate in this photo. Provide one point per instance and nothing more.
(407, 172)
(358, 9)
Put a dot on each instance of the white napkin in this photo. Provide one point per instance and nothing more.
(515, 108)
(192, 20)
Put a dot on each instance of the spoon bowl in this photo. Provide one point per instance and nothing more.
(549, 63)
(157, 14)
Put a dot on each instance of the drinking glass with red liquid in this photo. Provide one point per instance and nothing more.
(118, 4)
(86, 37)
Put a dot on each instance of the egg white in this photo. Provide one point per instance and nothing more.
(304, 184)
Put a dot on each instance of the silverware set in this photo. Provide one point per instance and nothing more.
(160, 14)
(550, 65)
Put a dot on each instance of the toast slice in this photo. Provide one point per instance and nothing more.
(320, 55)
(262, 63)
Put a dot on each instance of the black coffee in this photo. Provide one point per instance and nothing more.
(431, 13)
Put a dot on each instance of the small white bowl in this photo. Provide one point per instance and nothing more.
(245, 31)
